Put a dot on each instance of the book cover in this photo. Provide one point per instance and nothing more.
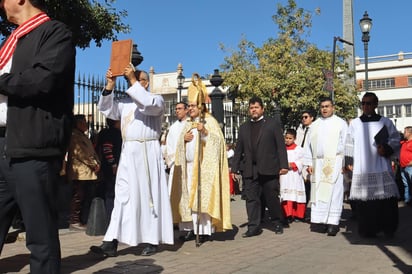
(382, 136)
(121, 56)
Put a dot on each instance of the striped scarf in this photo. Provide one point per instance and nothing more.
(7, 50)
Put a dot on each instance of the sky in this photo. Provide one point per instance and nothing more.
(190, 32)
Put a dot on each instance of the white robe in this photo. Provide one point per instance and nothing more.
(324, 152)
(292, 187)
(173, 136)
(372, 178)
(142, 212)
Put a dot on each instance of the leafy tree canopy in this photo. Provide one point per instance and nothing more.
(287, 71)
(89, 20)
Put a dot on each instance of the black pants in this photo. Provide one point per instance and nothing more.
(8, 209)
(109, 195)
(375, 216)
(268, 187)
(31, 184)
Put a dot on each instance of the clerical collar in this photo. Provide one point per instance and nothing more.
(254, 121)
(370, 117)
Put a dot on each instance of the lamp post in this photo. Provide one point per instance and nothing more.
(180, 81)
(330, 77)
(217, 97)
(137, 57)
(366, 24)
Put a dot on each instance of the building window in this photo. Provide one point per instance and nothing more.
(381, 83)
(389, 111)
(409, 81)
(398, 110)
(408, 109)
(381, 111)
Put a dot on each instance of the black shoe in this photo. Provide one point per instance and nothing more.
(367, 234)
(204, 238)
(249, 233)
(333, 230)
(189, 236)
(278, 229)
(108, 249)
(149, 250)
(319, 228)
(11, 237)
(285, 224)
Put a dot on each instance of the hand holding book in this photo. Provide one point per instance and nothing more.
(121, 56)
(382, 136)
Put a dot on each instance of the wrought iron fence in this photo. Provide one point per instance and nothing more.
(89, 88)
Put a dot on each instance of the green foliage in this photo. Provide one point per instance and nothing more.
(287, 71)
(89, 20)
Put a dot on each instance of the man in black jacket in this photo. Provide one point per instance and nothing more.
(262, 149)
(36, 78)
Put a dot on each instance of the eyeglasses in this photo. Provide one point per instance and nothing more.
(366, 103)
(305, 117)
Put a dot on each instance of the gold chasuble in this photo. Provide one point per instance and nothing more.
(214, 178)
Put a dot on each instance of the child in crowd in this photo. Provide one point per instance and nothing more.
(292, 186)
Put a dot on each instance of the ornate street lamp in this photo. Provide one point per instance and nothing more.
(180, 81)
(217, 97)
(366, 24)
(137, 58)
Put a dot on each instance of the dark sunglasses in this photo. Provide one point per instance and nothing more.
(305, 117)
(366, 103)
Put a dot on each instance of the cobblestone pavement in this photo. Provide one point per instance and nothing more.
(296, 251)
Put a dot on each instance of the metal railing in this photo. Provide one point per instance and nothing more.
(88, 89)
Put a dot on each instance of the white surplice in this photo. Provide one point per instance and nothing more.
(142, 212)
(292, 186)
(373, 178)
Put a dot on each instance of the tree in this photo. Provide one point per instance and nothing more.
(287, 71)
(88, 20)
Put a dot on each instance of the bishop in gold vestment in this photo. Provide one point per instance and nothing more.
(203, 165)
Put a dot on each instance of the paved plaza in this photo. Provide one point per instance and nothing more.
(296, 251)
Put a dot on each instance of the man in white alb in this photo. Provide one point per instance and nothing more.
(324, 156)
(142, 212)
(172, 138)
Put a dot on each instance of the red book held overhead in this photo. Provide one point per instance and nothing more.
(121, 56)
